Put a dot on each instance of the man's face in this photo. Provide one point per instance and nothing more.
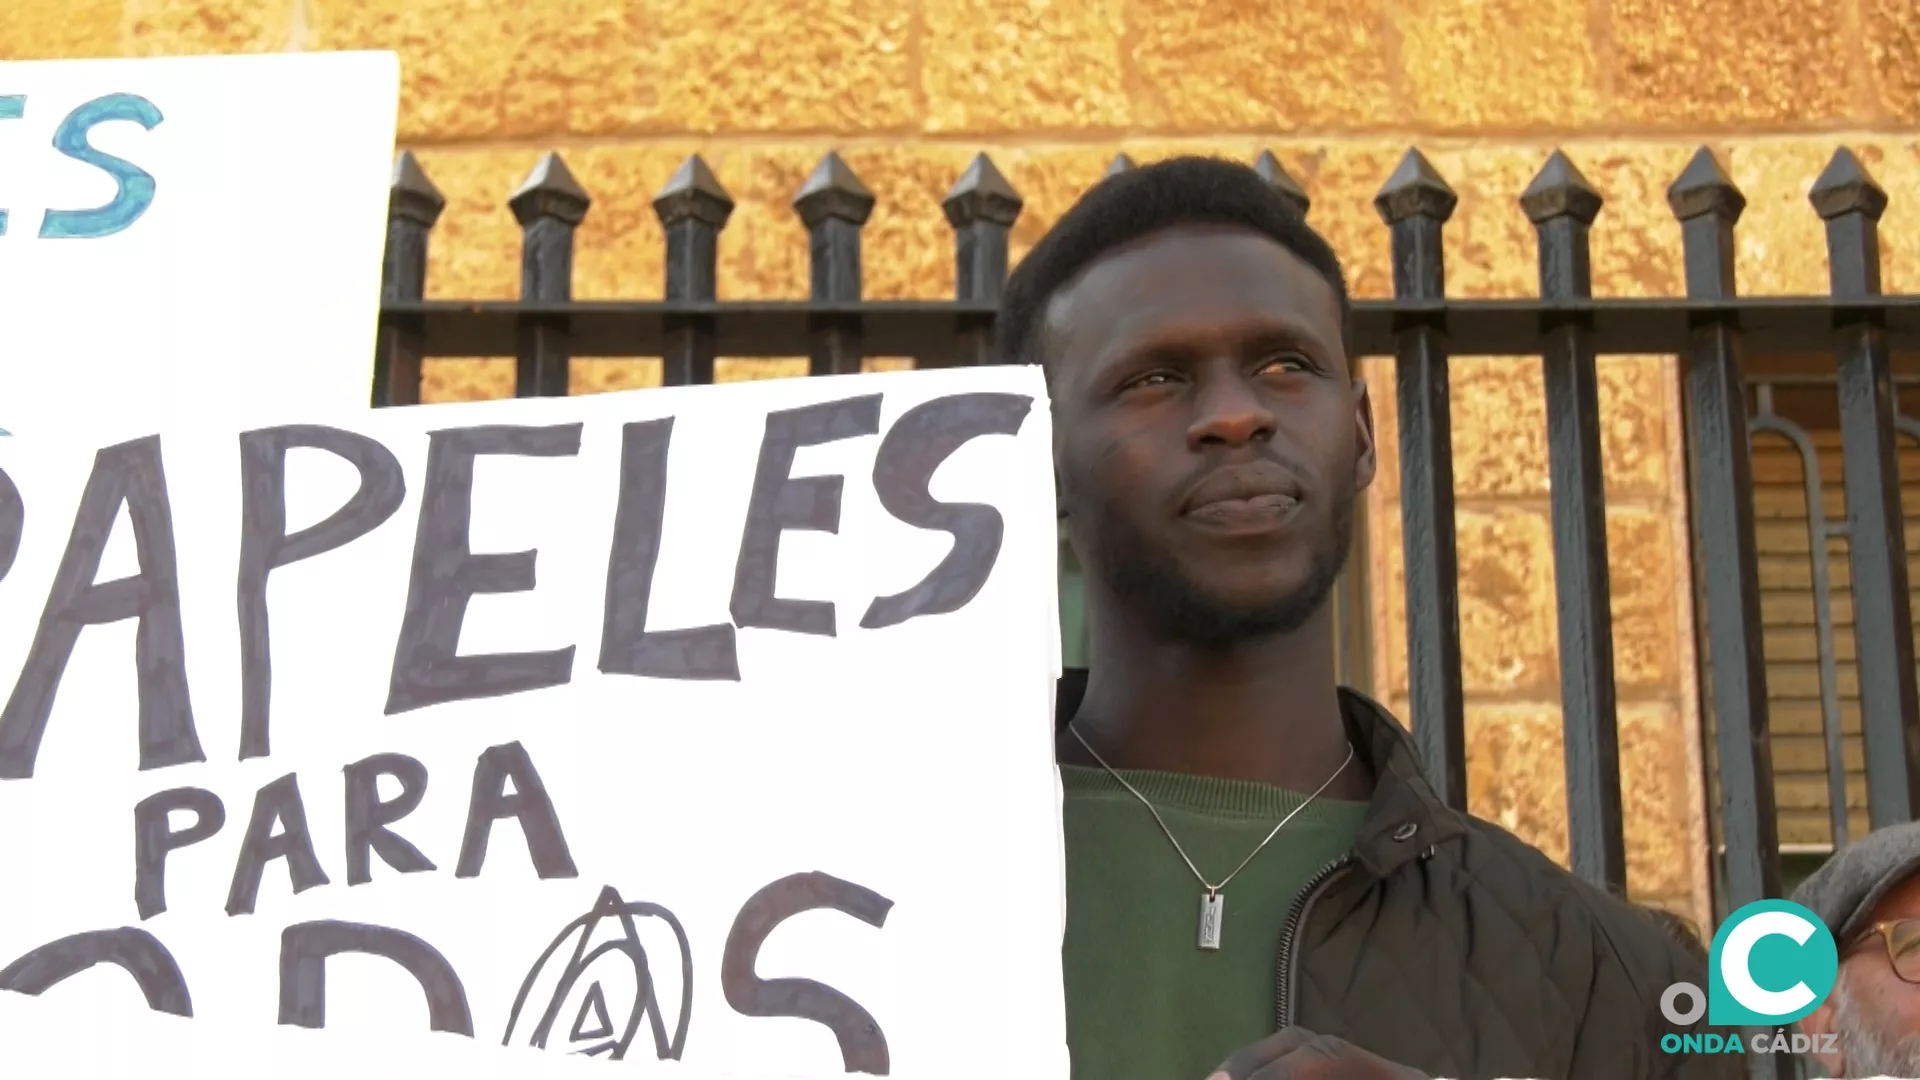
(1210, 437)
(1874, 1011)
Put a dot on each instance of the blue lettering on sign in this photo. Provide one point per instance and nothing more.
(136, 185)
(12, 107)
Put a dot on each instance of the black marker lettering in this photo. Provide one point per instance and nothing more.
(639, 520)
(490, 803)
(13, 522)
(447, 574)
(265, 545)
(305, 947)
(646, 1003)
(277, 803)
(154, 836)
(129, 948)
(782, 502)
(914, 449)
(863, 1046)
(368, 817)
(129, 474)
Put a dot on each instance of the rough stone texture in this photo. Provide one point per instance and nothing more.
(501, 70)
(168, 28)
(1640, 580)
(1023, 66)
(1535, 64)
(505, 69)
(1269, 65)
(72, 29)
(1507, 633)
(1893, 44)
(1688, 64)
(1516, 778)
(60, 31)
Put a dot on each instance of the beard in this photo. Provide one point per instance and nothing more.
(1149, 583)
(1864, 1045)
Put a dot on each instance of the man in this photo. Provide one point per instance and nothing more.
(1263, 875)
(1869, 896)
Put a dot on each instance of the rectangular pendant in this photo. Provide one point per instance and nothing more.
(1212, 910)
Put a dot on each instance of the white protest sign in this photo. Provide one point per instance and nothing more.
(710, 724)
(233, 208)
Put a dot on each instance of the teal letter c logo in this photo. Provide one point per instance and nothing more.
(1772, 963)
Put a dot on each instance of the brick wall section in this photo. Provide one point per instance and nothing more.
(909, 91)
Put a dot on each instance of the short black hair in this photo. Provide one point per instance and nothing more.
(1139, 202)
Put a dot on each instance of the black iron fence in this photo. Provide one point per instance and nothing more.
(1855, 329)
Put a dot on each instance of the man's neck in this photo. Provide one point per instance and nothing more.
(1266, 711)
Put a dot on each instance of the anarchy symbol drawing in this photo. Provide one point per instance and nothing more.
(608, 964)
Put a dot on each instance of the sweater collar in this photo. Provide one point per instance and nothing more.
(1405, 818)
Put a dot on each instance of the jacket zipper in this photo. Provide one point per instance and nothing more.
(1283, 994)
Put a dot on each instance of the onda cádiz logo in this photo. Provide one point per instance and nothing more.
(1771, 963)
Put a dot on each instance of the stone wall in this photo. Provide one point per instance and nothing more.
(908, 91)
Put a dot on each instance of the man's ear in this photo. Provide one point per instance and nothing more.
(1365, 460)
(1820, 1024)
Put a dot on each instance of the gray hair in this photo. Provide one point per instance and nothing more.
(1869, 1051)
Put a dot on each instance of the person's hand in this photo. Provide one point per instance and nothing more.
(1299, 1054)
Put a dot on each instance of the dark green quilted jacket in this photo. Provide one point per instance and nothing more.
(1446, 943)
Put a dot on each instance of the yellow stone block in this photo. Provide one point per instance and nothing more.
(496, 68)
(1508, 642)
(1892, 29)
(825, 66)
(1500, 426)
(170, 28)
(1661, 802)
(473, 252)
(1387, 585)
(1207, 66)
(1516, 778)
(599, 375)
(1516, 773)
(78, 29)
(1023, 65)
(1498, 64)
(1691, 64)
(1636, 241)
(450, 379)
(1640, 561)
(1636, 446)
(70, 29)
(475, 69)
(514, 70)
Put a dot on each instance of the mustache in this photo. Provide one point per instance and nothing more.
(1264, 454)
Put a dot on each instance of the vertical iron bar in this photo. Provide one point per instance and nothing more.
(982, 208)
(1851, 203)
(693, 208)
(549, 206)
(1415, 202)
(833, 204)
(413, 206)
(1720, 468)
(1562, 206)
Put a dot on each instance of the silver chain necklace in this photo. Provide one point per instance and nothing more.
(1212, 903)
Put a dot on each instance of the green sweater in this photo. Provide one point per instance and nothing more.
(1143, 1001)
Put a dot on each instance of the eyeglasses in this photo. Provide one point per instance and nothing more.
(1902, 940)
